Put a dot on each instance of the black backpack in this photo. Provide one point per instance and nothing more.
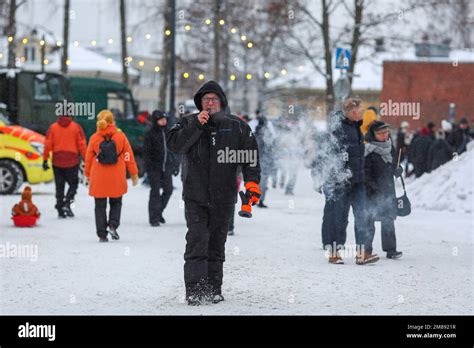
(107, 151)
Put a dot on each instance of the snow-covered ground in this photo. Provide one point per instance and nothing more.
(275, 264)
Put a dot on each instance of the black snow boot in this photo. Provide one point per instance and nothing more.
(103, 239)
(194, 300)
(67, 209)
(393, 254)
(217, 298)
(61, 213)
(162, 220)
(213, 294)
(113, 233)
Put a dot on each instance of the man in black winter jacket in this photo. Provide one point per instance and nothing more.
(347, 192)
(160, 165)
(214, 143)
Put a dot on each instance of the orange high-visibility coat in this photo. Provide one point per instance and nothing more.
(109, 180)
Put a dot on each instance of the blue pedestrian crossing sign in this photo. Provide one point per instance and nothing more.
(343, 58)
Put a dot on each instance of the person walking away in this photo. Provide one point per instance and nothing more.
(210, 186)
(108, 157)
(265, 137)
(65, 139)
(159, 166)
(381, 165)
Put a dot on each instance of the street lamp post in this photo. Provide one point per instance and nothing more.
(173, 59)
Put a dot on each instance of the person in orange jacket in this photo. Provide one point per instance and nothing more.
(66, 140)
(108, 157)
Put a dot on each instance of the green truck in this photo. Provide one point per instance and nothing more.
(33, 98)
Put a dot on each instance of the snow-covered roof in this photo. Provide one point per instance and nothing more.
(368, 70)
(82, 60)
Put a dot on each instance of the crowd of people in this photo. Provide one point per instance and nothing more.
(354, 163)
(433, 145)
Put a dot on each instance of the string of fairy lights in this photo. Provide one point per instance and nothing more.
(249, 44)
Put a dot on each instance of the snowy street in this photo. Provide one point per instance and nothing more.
(274, 263)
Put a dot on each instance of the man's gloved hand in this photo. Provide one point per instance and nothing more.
(45, 165)
(176, 171)
(253, 192)
(398, 171)
(134, 180)
(249, 198)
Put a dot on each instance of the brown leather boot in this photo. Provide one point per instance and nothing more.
(336, 259)
(366, 258)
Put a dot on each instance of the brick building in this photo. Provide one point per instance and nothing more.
(427, 87)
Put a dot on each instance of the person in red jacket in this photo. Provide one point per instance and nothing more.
(66, 140)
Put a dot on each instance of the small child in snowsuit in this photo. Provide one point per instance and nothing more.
(25, 213)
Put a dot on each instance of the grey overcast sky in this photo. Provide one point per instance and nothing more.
(99, 20)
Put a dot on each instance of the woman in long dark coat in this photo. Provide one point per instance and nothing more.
(380, 169)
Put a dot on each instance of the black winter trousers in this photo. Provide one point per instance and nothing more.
(161, 185)
(389, 240)
(61, 177)
(100, 210)
(205, 246)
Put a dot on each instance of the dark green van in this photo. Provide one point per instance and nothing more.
(111, 95)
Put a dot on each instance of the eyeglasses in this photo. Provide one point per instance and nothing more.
(208, 100)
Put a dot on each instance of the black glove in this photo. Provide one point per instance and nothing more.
(398, 172)
(45, 165)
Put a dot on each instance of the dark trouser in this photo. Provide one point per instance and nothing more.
(159, 200)
(290, 186)
(232, 216)
(100, 210)
(389, 241)
(205, 246)
(274, 176)
(263, 185)
(336, 216)
(61, 177)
